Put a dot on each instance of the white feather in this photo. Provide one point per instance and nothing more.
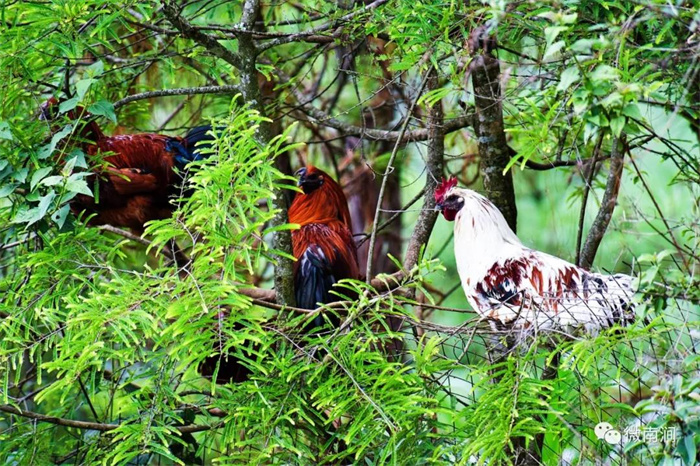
(510, 283)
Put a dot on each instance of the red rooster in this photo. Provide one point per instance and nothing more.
(141, 177)
(325, 253)
(323, 245)
(511, 284)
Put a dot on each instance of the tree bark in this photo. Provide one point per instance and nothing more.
(436, 150)
(607, 206)
(494, 152)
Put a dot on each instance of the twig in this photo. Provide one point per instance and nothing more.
(265, 297)
(661, 215)
(211, 43)
(319, 117)
(93, 425)
(387, 172)
(14, 244)
(391, 219)
(559, 163)
(127, 234)
(324, 27)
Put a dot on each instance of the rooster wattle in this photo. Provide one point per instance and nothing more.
(513, 285)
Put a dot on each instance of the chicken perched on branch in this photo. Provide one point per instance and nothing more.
(143, 170)
(323, 245)
(511, 284)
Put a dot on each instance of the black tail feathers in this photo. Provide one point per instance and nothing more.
(188, 149)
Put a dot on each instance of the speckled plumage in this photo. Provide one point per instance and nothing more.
(514, 285)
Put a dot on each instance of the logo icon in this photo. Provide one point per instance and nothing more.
(605, 431)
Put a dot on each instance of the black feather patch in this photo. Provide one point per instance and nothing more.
(187, 150)
(314, 280)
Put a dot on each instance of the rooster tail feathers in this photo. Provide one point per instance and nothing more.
(188, 149)
(199, 134)
(314, 280)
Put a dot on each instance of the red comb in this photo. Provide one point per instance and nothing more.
(444, 186)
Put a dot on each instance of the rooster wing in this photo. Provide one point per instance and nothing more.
(536, 289)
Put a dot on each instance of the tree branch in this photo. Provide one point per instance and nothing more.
(93, 425)
(228, 89)
(602, 220)
(387, 172)
(436, 149)
(584, 201)
(209, 42)
(321, 118)
(313, 32)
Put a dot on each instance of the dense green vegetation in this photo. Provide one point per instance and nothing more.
(103, 331)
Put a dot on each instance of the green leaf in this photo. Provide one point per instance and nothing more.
(68, 166)
(103, 108)
(52, 180)
(617, 124)
(68, 105)
(551, 33)
(26, 215)
(47, 150)
(21, 174)
(78, 185)
(7, 189)
(632, 110)
(96, 69)
(5, 132)
(568, 77)
(38, 176)
(604, 73)
(553, 50)
(60, 215)
(82, 86)
(582, 46)
(44, 204)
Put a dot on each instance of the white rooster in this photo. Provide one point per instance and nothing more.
(509, 283)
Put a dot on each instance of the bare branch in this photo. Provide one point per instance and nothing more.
(92, 425)
(602, 220)
(303, 36)
(228, 89)
(387, 172)
(321, 118)
(661, 215)
(380, 284)
(209, 42)
(393, 218)
(436, 149)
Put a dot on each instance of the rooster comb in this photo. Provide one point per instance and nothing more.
(444, 186)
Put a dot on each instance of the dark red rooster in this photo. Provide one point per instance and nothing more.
(141, 175)
(323, 245)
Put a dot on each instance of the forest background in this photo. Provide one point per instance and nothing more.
(578, 119)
